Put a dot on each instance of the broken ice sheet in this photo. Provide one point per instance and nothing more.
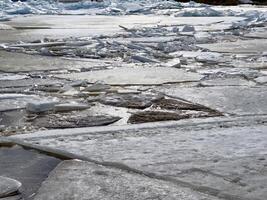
(138, 101)
(254, 64)
(261, 80)
(135, 76)
(19, 62)
(14, 101)
(252, 46)
(203, 37)
(72, 120)
(12, 118)
(209, 57)
(17, 101)
(204, 12)
(12, 77)
(173, 63)
(166, 109)
(236, 81)
(228, 72)
(253, 98)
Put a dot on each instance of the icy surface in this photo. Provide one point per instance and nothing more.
(125, 7)
(8, 7)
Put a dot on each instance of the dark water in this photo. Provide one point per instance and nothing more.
(27, 166)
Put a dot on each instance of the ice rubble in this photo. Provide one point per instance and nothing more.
(124, 7)
(7, 7)
(204, 12)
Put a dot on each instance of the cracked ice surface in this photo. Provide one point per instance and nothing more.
(83, 7)
(213, 158)
(124, 7)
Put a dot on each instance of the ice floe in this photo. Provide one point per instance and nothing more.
(8, 8)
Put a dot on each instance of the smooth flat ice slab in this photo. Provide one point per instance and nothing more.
(87, 21)
(227, 161)
(79, 180)
(240, 100)
(240, 46)
(135, 76)
(20, 62)
(227, 82)
(62, 26)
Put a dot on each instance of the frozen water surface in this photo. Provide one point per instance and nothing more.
(110, 56)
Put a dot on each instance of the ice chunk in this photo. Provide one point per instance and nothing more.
(205, 12)
(202, 37)
(174, 63)
(12, 77)
(143, 59)
(261, 80)
(66, 107)
(40, 106)
(188, 28)
(8, 7)
(209, 57)
(8, 187)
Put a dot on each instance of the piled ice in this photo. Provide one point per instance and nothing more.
(253, 17)
(7, 7)
(204, 12)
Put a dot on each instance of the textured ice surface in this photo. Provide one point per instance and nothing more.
(118, 7)
(8, 7)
